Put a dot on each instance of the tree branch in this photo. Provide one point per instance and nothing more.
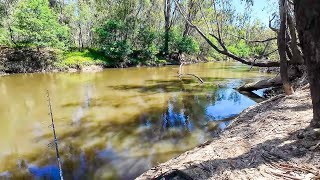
(225, 51)
(180, 74)
(263, 41)
(270, 26)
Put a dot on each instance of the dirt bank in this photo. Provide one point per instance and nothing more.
(26, 60)
(271, 140)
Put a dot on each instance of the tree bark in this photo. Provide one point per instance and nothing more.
(282, 49)
(307, 14)
(80, 38)
(167, 9)
(192, 11)
(296, 53)
(265, 83)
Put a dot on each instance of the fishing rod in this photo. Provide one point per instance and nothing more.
(54, 136)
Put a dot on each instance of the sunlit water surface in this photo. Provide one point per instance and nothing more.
(114, 124)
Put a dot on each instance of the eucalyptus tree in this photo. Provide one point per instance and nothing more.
(307, 15)
(35, 24)
(6, 20)
(79, 15)
(168, 20)
(215, 36)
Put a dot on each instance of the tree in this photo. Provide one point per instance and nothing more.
(221, 47)
(167, 17)
(6, 10)
(282, 48)
(113, 41)
(36, 25)
(307, 13)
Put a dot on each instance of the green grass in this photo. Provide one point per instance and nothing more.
(83, 58)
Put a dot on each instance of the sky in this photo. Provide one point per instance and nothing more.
(262, 9)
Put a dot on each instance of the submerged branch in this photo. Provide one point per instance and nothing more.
(180, 74)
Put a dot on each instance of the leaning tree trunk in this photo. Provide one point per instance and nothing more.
(282, 49)
(307, 13)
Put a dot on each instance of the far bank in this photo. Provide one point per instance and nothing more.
(31, 60)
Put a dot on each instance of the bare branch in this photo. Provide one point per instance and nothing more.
(263, 41)
(225, 51)
(181, 74)
(270, 25)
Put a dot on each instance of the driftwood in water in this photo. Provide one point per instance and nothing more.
(293, 72)
(181, 74)
(265, 83)
(252, 96)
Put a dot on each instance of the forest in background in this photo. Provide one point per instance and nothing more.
(122, 33)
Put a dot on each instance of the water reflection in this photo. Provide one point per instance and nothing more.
(116, 128)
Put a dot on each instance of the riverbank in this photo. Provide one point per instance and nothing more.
(270, 140)
(31, 60)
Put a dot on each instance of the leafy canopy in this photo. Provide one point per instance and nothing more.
(36, 25)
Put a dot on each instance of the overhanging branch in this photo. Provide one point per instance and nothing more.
(225, 51)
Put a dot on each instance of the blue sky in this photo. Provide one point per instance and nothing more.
(261, 9)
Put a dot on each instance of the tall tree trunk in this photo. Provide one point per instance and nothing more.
(191, 13)
(167, 11)
(307, 14)
(80, 38)
(282, 49)
(296, 53)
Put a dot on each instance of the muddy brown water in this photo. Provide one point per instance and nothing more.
(114, 124)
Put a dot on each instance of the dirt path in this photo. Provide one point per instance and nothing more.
(270, 140)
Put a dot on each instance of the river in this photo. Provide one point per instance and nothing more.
(114, 124)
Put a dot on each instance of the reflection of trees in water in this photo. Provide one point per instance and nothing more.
(185, 113)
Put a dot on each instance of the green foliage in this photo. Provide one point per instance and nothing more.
(188, 45)
(148, 43)
(178, 43)
(240, 49)
(4, 39)
(127, 32)
(257, 50)
(112, 42)
(36, 25)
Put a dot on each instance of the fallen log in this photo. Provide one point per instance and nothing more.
(293, 73)
(265, 83)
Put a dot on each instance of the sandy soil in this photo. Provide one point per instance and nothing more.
(271, 140)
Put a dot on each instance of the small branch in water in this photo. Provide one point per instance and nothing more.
(180, 74)
(54, 136)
